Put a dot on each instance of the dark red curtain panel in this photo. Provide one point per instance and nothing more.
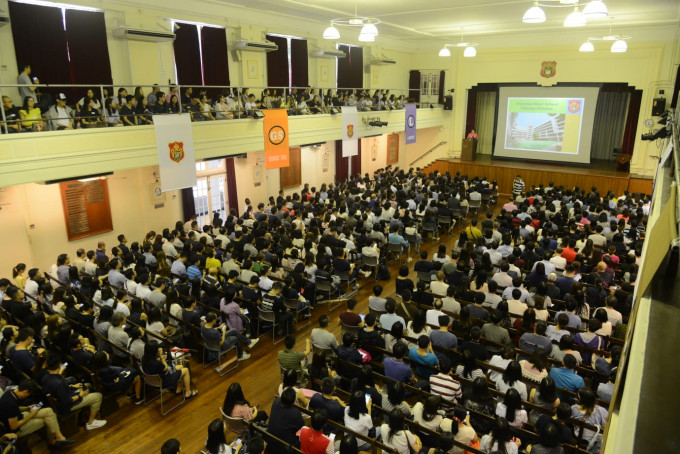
(356, 67)
(341, 164)
(414, 85)
(442, 76)
(87, 46)
(40, 41)
(215, 62)
(471, 111)
(277, 63)
(187, 55)
(676, 89)
(343, 68)
(631, 122)
(232, 194)
(356, 162)
(299, 63)
(188, 205)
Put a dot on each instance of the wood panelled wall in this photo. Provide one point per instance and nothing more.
(505, 173)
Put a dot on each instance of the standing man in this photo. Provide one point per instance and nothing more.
(517, 186)
(27, 85)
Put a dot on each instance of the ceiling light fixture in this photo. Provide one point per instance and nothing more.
(595, 9)
(445, 52)
(587, 47)
(470, 48)
(534, 15)
(470, 52)
(619, 46)
(368, 32)
(575, 19)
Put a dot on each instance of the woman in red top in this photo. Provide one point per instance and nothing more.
(312, 439)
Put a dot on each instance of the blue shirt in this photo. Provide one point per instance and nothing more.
(178, 268)
(574, 320)
(424, 364)
(566, 379)
(387, 320)
(397, 370)
(194, 272)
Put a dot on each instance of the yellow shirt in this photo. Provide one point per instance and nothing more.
(28, 119)
(212, 263)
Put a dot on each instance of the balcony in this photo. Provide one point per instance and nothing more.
(52, 155)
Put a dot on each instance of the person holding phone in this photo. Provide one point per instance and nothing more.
(312, 439)
(358, 417)
(27, 84)
(25, 420)
(154, 362)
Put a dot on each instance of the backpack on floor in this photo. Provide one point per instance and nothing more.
(384, 273)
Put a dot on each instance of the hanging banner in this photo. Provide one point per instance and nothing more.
(410, 123)
(350, 131)
(276, 151)
(175, 144)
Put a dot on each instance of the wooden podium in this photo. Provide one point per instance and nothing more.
(469, 150)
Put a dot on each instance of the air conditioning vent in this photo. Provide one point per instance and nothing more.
(382, 61)
(256, 46)
(329, 54)
(140, 34)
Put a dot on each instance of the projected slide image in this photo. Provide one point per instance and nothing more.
(543, 124)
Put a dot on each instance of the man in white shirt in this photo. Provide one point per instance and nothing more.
(60, 115)
(614, 316)
(491, 297)
(143, 291)
(557, 260)
(598, 238)
(432, 315)
(516, 284)
(516, 308)
(495, 256)
(31, 287)
(502, 278)
(439, 287)
(168, 248)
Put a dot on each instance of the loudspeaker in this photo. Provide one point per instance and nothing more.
(658, 106)
(257, 114)
(448, 102)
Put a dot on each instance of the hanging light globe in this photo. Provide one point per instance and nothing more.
(369, 29)
(595, 9)
(587, 47)
(331, 32)
(470, 52)
(534, 15)
(575, 19)
(619, 46)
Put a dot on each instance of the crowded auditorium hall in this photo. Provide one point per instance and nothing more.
(394, 229)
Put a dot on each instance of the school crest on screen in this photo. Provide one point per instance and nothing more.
(548, 69)
(176, 151)
(350, 131)
(574, 106)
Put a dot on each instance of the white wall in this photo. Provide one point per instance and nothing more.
(34, 231)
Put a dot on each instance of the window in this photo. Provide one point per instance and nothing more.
(350, 70)
(210, 192)
(201, 55)
(288, 65)
(429, 86)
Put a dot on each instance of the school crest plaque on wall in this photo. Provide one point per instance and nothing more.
(548, 69)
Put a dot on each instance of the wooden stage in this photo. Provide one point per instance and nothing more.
(601, 174)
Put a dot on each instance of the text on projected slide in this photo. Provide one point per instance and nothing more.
(544, 124)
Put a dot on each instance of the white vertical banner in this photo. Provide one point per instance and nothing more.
(175, 144)
(350, 130)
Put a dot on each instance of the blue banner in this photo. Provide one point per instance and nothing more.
(410, 123)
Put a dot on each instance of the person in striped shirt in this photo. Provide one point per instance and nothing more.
(444, 384)
(517, 185)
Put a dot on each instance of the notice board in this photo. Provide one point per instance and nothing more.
(87, 211)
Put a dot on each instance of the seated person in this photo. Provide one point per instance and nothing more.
(71, 397)
(285, 420)
(376, 302)
(369, 337)
(326, 400)
(25, 420)
(424, 358)
(154, 362)
(273, 301)
(117, 379)
(312, 439)
(226, 339)
(289, 359)
(81, 354)
(443, 383)
(348, 352)
(21, 354)
(350, 317)
(480, 352)
(321, 337)
(388, 319)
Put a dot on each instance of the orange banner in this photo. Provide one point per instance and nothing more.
(276, 149)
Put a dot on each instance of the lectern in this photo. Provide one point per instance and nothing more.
(469, 150)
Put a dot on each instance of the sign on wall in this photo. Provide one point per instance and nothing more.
(410, 113)
(392, 149)
(175, 144)
(350, 132)
(276, 151)
(87, 211)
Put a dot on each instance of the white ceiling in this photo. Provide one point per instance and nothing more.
(445, 19)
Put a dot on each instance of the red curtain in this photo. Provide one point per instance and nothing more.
(277, 63)
(40, 41)
(215, 62)
(356, 67)
(187, 55)
(299, 62)
(343, 68)
(341, 164)
(631, 122)
(356, 161)
(188, 205)
(442, 75)
(471, 111)
(414, 85)
(88, 49)
(232, 194)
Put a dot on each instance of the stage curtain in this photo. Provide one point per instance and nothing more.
(356, 161)
(484, 121)
(232, 192)
(609, 124)
(277, 63)
(188, 205)
(414, 86)
(343, 67)
(442, 76)
(471, 115)
(187, 55)
(631, 122)
(40, 41)
(676, 89)
(88, 49)
(299, 63)
(341, 164)
(215, 62)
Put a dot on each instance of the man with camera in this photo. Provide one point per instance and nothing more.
(71, 397)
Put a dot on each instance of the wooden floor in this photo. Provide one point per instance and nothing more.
(142, 429)
(601, 174)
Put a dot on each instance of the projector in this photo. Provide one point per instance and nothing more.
(377, 123)
(658, 134)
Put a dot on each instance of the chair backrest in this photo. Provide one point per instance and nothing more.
(323, 285)
(236, 425)
(350, 329)
(425, 276)
(211, 345)
(152, 380)
(412, 239)
(444, 219)
(370, 260)
(267, 316)
(291, 303)
(394, 247)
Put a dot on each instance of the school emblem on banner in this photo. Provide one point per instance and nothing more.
(176, 151)
(350, 131)
(574, 106)
(548, 69)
